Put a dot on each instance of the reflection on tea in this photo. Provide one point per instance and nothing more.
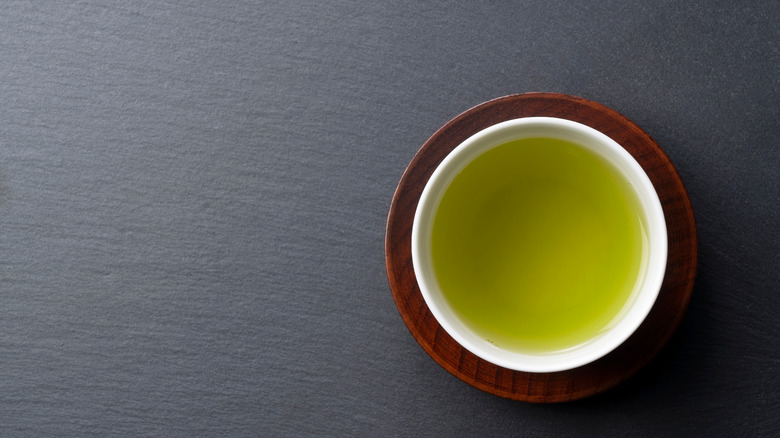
(537, 245)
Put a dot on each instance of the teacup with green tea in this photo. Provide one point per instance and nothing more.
(539, 244)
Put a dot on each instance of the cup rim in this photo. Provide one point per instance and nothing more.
(634, 312)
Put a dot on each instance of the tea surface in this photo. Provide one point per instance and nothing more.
(537, 245)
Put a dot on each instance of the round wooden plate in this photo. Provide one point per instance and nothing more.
(597, 376)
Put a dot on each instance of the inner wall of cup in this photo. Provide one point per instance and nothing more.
(457, 161)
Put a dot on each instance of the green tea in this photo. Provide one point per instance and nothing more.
(537, 245)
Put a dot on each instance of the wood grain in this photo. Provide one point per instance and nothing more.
(595, 377)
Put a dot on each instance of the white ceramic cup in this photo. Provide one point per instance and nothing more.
(648, 282)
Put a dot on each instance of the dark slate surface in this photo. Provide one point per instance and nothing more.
(193, 198)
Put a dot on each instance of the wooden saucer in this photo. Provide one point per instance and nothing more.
(597, 376)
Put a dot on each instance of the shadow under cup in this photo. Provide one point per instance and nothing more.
(539, 244)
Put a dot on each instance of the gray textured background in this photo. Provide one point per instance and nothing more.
(193, 199)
